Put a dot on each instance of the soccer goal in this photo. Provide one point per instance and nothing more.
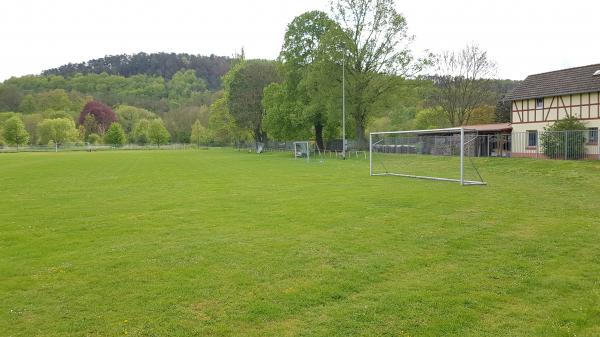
(440, 154)
(302, 150)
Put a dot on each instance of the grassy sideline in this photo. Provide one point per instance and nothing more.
(220, 243)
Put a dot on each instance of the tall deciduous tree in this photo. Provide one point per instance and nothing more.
(221, 123)
(374, 44)
(200, 134)
(103, 115)
(294, 106)
(59, 131)
(244, 85)
(115, 135)
(462, 82)
(157, 133)
(15, 132)
(141, 132)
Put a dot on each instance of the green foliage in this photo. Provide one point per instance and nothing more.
(10, 97)
(31, 122)
(483, 114)
(200, 134)
(57, 131)
(14, 132)
(141, 132)
(157, 133)
(564, 139)
(115, 135)
(298, 105)
(374, 42)
(178, 121)
(431, 119)
(244, 85)
(94, 138)
(129, 115)
(184, 83)
(221, 124)
(283, 117)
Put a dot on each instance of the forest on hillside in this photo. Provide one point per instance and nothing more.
(221, 100)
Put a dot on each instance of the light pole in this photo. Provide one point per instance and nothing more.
(344, 107)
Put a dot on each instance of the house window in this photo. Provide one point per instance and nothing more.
(592, 137)
(539, 103)
(532, 138)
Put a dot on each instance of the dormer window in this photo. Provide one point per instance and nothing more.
(539, 103)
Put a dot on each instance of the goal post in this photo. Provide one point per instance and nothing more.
(438, 154)
(302, 150)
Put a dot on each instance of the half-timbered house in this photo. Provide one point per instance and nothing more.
(545, 98)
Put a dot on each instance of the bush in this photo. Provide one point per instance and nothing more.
(564, 139)
(94, 138)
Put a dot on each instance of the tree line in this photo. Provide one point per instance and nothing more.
(213, 100)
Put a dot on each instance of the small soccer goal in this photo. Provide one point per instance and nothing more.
(440, 154)
(302, 150)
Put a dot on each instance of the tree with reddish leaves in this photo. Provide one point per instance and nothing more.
(102, 113)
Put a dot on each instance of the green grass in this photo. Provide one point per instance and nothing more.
(220, 243)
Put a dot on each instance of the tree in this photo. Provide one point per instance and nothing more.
(483, 114)
(103, 115)
(244, 85)
(200, 134)
(58, 131)
(10, 97)
(89, 126)
(462, 83)
(128, 116)
(294, 106)
(15, 132)
(374, 44)
(141, 132)
(115, 135)
(220, 123)
(157, 133)
(564, 139)
(283, 117)
(431, 119)
(31, 122)
(184, 83)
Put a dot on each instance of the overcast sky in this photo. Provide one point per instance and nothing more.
(523, 37)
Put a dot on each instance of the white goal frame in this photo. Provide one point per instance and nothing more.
(306, 145)
(456, 130)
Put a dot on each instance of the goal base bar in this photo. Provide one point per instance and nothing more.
(464, 183)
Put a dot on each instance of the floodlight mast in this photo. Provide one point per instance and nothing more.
(344, 107)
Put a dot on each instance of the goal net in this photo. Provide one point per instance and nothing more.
(302, 150)
(440, 154)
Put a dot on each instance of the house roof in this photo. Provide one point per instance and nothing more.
(490, 127)
(560, 82)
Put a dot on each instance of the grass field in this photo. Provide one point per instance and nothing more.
(220, 243)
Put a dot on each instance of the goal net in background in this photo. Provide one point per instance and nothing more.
(302, 150)
(440, 154)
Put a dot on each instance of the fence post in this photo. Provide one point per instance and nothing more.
(566, 143)
(462, 156)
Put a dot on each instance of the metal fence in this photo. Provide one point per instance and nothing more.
(558, 145)
(92, 148)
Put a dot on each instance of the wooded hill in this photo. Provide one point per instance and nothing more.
(209, 68)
